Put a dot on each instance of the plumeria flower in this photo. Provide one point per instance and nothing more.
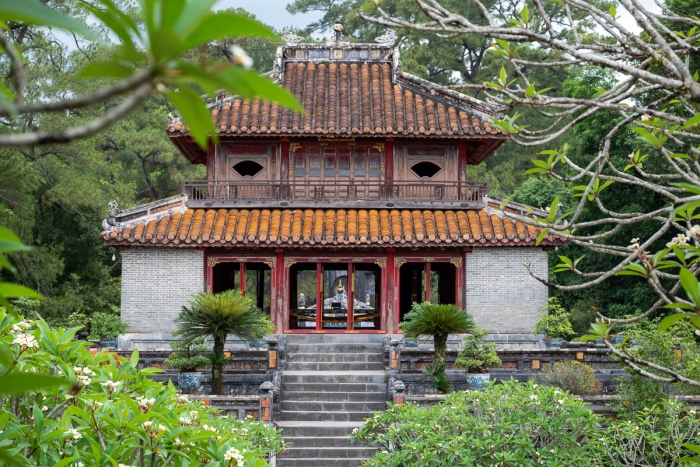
(630, 156)
(240, 57)
(646, 117)
(74, 433)
(21, 326)
(679, 239)
(147, 424)
(234, 454)
(111, 385)
(26, 341)
(694, 230)
(44, 409)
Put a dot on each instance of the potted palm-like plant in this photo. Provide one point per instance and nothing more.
(106, 327)
(217, 316)
(188, 357)
(554, 324)
(477, 357)
(438, 322)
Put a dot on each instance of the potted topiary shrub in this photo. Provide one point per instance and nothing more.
(188, 357)
(477, 357)
(554, 324)
(438, 322)
(106, 327)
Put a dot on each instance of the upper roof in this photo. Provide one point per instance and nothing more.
(349, 90)
(170, 223)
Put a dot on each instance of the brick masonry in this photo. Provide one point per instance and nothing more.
(156, 282)
(501, 295)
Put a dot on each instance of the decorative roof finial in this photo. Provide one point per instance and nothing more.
(338, 40)
(290, 39)
(387, 39)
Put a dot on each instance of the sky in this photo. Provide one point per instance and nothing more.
(274, 13)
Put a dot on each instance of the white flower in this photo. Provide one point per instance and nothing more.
(162, 428)
(26, 341)
(21, 326)
(44, 409)
(147, 424)
(75, 433)
(533, 397)
(234, 454)
(631, 156)
(240, 57)
(646, 117)
(111, 385)
(560, 401)
(79, 464)
(694, 230)
(83, 380)
(178, 442)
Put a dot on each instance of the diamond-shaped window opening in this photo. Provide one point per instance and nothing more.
(425, 170)
(248, 169)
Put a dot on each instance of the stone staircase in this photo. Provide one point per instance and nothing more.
(330, 384)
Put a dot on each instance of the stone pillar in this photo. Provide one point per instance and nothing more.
(271, 353)
(399, 396)
(266, 402)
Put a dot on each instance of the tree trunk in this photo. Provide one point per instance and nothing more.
(217, 368)
(440, 343)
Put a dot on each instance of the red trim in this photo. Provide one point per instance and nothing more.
(241, 278)
(277, 289)
(389, 320)
(208, 274)
(459, 289)
(328, 331)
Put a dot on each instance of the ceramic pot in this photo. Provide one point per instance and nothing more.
(111, 343)
(410, 342)
(555, 342)
(189, 382)
(478, 380)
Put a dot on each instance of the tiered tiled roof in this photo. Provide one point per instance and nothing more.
(349, 90)
(273, 227)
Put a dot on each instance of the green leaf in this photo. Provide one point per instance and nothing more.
(193, 13)
(613, 11)
(690, 284)
(10, 242)
(34, 12)
(694, 120)
(195, 114)
(553, 208)
(670, 320)
(17, 384)
(249, 84)
(220, 25)
(105, 70)
(502, 77)
(10, 290)
(541, 236)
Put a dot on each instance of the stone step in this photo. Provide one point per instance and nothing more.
(348, 396)
(348, 452)
(315, 416)
(320, 462)
(331, 406)
(300, 429)
(335, 348)
(374, 357)
(299, 442)
(334, 377)
(333, 366)
(316, 388)
(334, 338)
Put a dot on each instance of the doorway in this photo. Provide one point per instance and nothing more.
(441, 284)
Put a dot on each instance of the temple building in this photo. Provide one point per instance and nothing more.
(338, 219)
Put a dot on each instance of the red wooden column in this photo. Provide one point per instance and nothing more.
(459, 290)
(389, 159)
(461, 161)
(389, 293)
(211, 162)
(241, 278)
(208, 274)
(319, 296)
(427, 282)
(280, 292)
(351, 297)
(284, 159)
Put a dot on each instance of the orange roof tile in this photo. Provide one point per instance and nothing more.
(219, 227)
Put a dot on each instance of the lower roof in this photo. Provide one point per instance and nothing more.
(279, 227)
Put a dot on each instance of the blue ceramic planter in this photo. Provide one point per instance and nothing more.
(189, 382)
(111, 343)
(478, 380)
(555, 342)
(410, 342)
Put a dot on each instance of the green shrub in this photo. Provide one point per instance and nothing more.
(571, 376)
(509, 424)
(109, 412)
(188, 356)
(675, 348)
(555, 321)
(475, 355)
(649, 438)
(106, 326)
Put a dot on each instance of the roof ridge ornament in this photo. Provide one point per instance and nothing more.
(388, 39)
(338, 39)
(290, 39)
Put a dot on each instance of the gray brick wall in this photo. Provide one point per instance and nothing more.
(501, 295)
(156, 282)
